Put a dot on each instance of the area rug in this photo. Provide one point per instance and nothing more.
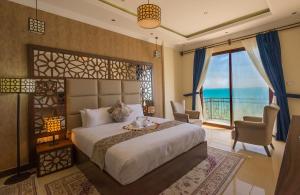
(26, 187)
(210, 177)
(74, 184)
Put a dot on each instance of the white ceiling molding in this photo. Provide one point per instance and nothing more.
(97, 13)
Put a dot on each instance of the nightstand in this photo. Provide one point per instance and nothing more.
(52, 158)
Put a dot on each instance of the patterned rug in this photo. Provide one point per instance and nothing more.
(74, 184)
(210, 177)
(27, 187)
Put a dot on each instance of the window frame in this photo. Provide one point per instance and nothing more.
(230, 52)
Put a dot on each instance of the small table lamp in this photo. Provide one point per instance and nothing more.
(52, 125)
(18, 86)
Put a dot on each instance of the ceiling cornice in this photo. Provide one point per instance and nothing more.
(224, 24)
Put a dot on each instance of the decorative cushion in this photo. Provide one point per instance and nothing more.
(137, 111)
(95, 117)
(119, 111)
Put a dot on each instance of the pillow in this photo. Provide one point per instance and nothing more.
(119, 111)
(137, 111)
(95, 117)
(83, 118)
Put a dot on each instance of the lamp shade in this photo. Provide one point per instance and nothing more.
(52, 124)
(149, 16)
(17, 85)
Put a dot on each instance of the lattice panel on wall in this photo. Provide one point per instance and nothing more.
(61, 64)
(50, 64)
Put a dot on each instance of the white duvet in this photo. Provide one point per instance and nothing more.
(130, 160)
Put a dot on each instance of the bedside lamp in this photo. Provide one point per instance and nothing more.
(52, 125)
(17, 86)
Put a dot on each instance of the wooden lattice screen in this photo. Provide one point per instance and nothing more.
(51, 65)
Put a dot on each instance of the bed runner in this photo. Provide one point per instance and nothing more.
(101, 147)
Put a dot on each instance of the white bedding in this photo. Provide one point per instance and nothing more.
(130, 160)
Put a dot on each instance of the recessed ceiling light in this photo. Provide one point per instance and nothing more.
(113, 20)
(294, 13)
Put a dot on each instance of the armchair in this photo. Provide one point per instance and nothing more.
(183, 115)
(256, 130)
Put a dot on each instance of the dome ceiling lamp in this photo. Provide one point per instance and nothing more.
(148, 16)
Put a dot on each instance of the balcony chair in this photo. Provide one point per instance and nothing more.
(256, 130)
(183, 115)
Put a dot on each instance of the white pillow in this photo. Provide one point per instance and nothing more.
(83, 118)
(137, 111)
(95, 117)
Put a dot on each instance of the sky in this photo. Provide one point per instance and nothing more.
(244, 74)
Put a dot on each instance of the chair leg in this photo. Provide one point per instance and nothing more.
(272, 146)
(267, 151)
(234, 143)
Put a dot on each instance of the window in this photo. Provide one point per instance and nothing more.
(233, 88)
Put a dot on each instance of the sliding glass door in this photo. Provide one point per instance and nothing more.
(216, 91)
(232, 89)
(250, 93)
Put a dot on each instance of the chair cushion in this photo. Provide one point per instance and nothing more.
(195, 122)
(179, 107)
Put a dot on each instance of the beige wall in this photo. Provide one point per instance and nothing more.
(60, 33)
(172, 78)
(290, 50)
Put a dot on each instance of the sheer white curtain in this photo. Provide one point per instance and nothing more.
(208, 55)
(253, 52)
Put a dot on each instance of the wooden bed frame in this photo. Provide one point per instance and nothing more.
(152, 183)
(82, 94)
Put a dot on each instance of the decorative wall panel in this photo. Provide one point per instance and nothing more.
(52, 66)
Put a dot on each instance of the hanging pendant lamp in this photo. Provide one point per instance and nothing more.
(148, 15)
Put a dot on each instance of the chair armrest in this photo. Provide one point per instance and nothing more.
(249, 125)
(252, 118)
(193, 114)
(181, 117)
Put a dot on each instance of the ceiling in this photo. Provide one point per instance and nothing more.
(183, 22)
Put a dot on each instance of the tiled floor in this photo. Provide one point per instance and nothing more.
(258, 175)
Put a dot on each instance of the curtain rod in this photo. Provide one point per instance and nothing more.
(229, 41)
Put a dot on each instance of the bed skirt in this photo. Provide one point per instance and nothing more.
(152, 183)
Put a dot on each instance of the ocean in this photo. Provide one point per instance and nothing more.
(246, 102)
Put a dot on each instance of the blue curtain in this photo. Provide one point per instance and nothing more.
(199, 58)
(270, 53)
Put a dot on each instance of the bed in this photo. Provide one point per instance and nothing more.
(127, 162)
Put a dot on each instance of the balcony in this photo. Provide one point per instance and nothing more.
(217, 110)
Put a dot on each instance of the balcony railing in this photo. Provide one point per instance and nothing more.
(218, 109)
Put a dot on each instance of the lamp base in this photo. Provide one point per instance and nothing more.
(53, 143)
(17, 178)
